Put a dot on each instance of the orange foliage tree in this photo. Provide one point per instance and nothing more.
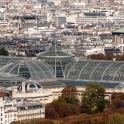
(61, 110)
(97, 56)
(117, 101)
(69, 94)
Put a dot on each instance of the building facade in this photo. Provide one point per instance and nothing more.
(13, 110)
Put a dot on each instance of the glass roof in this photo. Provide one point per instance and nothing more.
(95, 70)
(54, 54)
(5, 60)
(35, 70)
(65, 68)
(84, 83)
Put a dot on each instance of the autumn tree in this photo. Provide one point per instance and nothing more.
(107, 56)
(99, 56)
(93, 98)
(60, 110)
(117, 101)
(86, 119)
(110, 56)
(115, 119)
(69, 94)
(36, 121)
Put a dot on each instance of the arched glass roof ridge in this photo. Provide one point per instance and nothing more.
(33, 72)
(13, 68)
(50, 69)
(82, 70)
(98, 71)
(88, 70)
(110, 71)
(40, 69)
(67, 67)
(70, 69)
(119, 74)
(29, 69)
(5, 66)
(95, 70)
(76, 69)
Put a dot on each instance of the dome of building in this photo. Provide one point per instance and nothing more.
(55, 54)
(57, 60)
(29, 69)
(29, 86)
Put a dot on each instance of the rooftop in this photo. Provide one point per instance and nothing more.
(119, 31)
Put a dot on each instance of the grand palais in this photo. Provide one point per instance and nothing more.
(56, 69)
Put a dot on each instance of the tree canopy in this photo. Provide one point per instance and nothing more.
(93, 98)
(117, 101)
(100, 118)
(60, 110)
(108, 56)
(69, 94)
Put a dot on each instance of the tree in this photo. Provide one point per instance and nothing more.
(115, 119)
(93, 98)
(117, 101)
(69, 94)
(110, 56)
(60, 100)
(37, 121)
(86, 119)
(120, 110)
(3, 51)
(60, 110)
(97, 56)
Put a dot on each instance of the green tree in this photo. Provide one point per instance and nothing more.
(69, 94)
(93, 98)
(60, 100)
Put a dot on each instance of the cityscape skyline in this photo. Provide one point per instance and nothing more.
(46, 45)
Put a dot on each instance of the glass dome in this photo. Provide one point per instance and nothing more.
(54, 54)
(57, 60)
(30, 86)
(29, 69)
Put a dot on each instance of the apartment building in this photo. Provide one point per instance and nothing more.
(28, 111)
(8, 111)
(13, 110)
(86, 19)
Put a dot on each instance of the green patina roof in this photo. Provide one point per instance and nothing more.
(119, 30)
